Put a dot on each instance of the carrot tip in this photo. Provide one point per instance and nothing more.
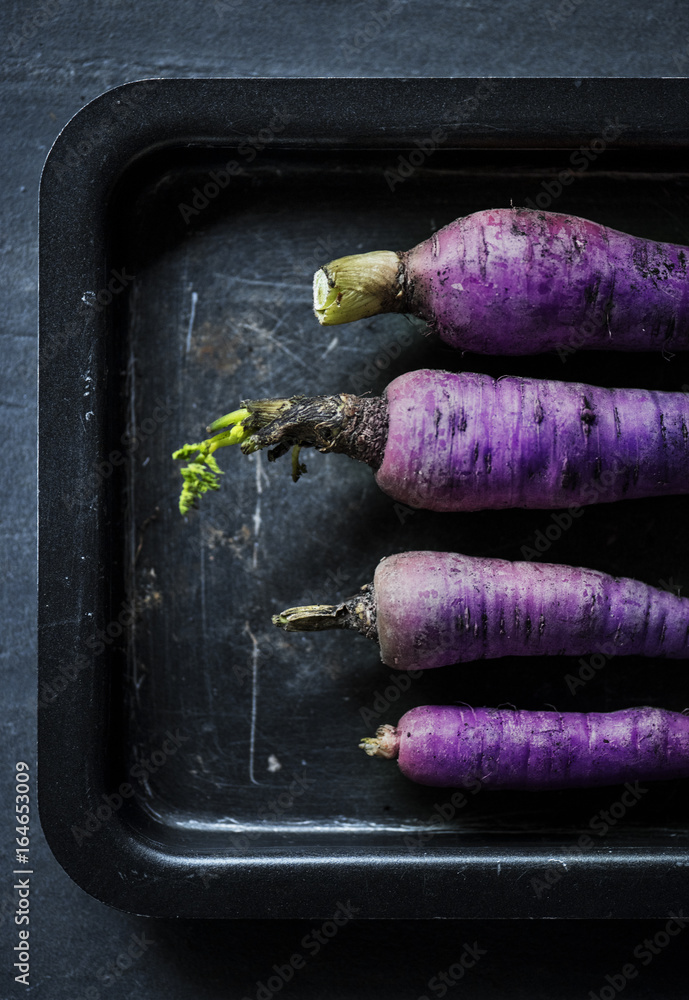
(355, 287)
(385, 743)
(312, 618)
(358, 613)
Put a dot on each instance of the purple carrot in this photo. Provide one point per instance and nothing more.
(453, 442)
(451, 746)
(519, 281)
(466, 442)
(430, 609)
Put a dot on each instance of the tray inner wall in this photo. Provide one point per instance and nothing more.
(265, 725)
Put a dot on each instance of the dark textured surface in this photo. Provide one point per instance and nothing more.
(52, 64)
(214, 309)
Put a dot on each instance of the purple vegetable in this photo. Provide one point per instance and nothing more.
(447, 745)
(469, 442)
(518, 281)
(430, 609)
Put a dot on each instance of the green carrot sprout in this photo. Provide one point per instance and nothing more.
(320, 422)
(199, 477)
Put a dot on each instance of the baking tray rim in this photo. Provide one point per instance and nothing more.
(91, 154)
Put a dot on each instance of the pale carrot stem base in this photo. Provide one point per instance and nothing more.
(386, 743)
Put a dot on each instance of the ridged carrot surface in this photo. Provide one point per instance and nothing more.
(469, 442)
(437, 608)
(453, 746)
(519, 281)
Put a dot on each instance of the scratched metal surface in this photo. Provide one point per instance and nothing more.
(72, 59)
(219, 311)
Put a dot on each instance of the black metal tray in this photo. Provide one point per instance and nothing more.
(193, 761)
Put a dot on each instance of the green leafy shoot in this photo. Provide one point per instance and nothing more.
(278, 424)
(203, 472)
(229, 420)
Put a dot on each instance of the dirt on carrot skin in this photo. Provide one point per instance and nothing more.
(365, 434)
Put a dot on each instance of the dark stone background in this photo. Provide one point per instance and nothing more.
(57, 56)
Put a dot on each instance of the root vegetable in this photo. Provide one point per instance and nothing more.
(457, 747)
(431, 609)
(452, 442)
(519, 281)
